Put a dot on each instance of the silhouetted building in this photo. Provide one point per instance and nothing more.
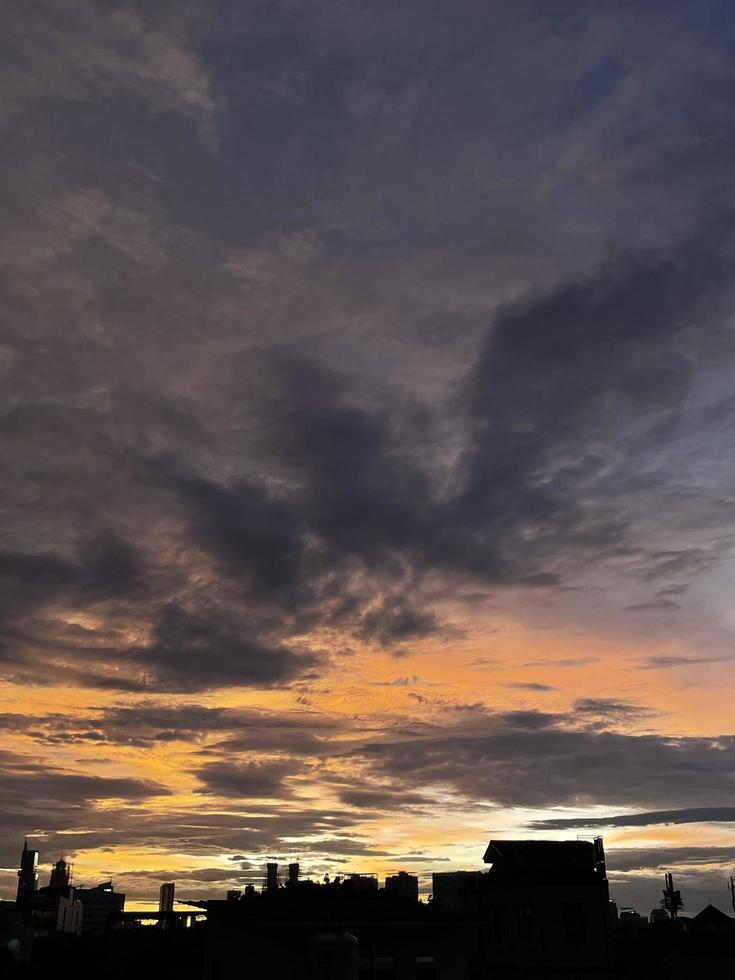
(234, 895)
(362, 883)
(403, 885)
(54, 909)
(334, 930)
(707, 948)
(547, 907)
(632, 919)
(271, 876)
(60, 874)
(100, 905)
(293, 873)
(166, 896)
(711, 919)
(456, 891)
(27, 875)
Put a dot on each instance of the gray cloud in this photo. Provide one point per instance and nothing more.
(246, 779)
(530, 686)
(500, 758)
(706, 814)
(663, 661)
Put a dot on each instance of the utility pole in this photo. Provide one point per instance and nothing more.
(672, 899)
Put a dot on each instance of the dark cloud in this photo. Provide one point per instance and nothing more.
(657, 605)
(711, 814)
(662, 661)
(380, 798)
(195, 651)
(39, 797)
(663, 858)
(246, 779)
(607, 711)
(530, 686)
(553, 376)
(502, 760)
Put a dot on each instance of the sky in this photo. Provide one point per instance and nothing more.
(366, 447)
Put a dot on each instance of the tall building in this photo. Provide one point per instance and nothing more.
(60, 875)
(27, 875)
(166, 897)
(402, 885)
(271, 876)
(99, 904)
(293, 873)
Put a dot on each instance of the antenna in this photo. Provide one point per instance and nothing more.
(672, 899)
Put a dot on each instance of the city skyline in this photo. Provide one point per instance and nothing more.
(276, 874)
(365, 438)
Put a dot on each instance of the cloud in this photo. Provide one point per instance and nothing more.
(607, 711)
(500, 757)
(712, 814)
(39, 797)
(97, 52)
(215, 730)
(381, 798)
(662, 858)
(530, 686)
(191, 652)
(661, 661)
(245, 779)
(664, 605)
(398, 682)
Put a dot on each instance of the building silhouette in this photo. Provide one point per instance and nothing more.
(403, 885)
(362, 883)
(27, 873)
(547, 907)
(60, 874)
(271, 876)
(166, 896)
(100, 905)
(541, 909)
(455, 891)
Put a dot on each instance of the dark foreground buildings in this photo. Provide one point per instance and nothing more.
(540, 910)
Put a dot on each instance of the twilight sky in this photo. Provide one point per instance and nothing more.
(366, 437)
